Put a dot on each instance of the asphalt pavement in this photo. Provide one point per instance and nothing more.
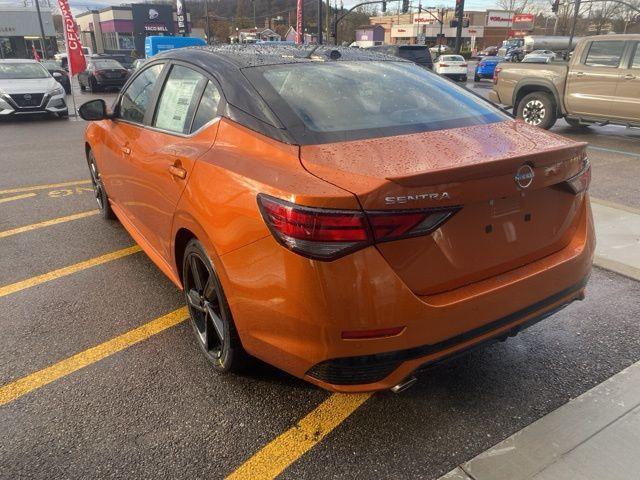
(156, 409)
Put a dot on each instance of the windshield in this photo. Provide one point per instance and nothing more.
(51, 64)
(337, 101)
(22, 70)
(107, 63)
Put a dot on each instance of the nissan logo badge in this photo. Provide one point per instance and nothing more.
(524, 176)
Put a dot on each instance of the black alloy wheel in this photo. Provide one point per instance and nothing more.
(98, 188)
(209, 311)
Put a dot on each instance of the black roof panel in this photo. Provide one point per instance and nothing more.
(256, 55)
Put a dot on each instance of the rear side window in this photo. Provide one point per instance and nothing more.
(604, 54)
(208, 108)
(179, 99)
(135, 99)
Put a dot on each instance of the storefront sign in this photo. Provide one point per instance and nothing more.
(499, 18)
(150, 19)
(425, 18)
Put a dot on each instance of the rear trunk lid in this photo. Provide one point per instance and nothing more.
(500, 226)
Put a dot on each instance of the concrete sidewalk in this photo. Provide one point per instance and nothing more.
(597, 435)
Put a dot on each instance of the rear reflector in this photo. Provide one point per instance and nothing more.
(376, 333)
(580, 182)
(327, 234)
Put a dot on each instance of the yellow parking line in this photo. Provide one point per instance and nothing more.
(62, 272)
(44, 187)
(295, 442)
(24, 385)
(47, 223)
(17, 197)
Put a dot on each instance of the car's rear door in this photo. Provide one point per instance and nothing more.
(628, 89)
(592, 81)
(181, 129)
(122, 135)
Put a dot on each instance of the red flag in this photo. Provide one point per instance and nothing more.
(299, 37)
(75, 57)
(36, 57)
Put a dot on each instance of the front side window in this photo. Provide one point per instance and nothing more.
(341, 101)
(135, 99)
(604, 54)
(179, 99)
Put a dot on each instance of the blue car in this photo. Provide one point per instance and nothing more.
(486, 67)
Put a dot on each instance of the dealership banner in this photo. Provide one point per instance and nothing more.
(75, 57)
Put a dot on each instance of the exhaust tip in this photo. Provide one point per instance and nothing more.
(404, 385)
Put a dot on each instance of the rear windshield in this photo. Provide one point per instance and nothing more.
(107, 63)
(339, 101)
(15, 71)
(452, 58)
(415, 54)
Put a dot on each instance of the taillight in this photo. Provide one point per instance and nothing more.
(580, 182)
(495, 74)
(326, 234)
(444, 64)
(464, 65)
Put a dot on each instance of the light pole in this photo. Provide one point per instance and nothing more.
(42, 41)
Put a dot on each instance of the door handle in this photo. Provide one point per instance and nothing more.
(126, 150)
(629, 76)
(178, 172)
(580, 74)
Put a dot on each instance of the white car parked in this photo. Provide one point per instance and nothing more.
(26, 87)
(452, 66)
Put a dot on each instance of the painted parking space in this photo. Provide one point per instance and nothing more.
(94, 388)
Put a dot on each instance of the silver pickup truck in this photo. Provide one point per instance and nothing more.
(599, 85)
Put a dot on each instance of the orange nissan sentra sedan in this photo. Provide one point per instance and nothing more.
(346, 216)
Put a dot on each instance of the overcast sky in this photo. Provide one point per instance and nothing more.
(81, 5)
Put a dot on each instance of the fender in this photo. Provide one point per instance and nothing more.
(541, 82)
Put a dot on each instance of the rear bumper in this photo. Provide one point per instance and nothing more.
(291, 311)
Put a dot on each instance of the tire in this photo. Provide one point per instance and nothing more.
(82, 88)
(538, 109)
(575, 123)
(64, 115)
(211, 317)
(93, 86)
(98, 187)
(476, 78)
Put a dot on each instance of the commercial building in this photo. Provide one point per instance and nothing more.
(20, 32)
(123, 29)
(480, 29)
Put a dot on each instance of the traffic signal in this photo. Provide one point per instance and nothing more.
(555, 6)
(459, 11)
(384, 6)
(405, 6)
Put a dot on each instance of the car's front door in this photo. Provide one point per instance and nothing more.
(592, 81)
(122, 136)
(181, 130)
(628, 90)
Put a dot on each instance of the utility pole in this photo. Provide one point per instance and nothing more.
(459, 17)
(206, 14)
(575, 21)
(320, 21)
(42, 41)
(327, 20)
(440, 37)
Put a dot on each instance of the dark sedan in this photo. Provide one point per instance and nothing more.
(59, 73)
(102, 74)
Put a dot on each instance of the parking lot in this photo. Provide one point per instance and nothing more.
(145, 403)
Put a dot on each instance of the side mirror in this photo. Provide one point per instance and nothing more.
(94, 110)
(57, 74)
